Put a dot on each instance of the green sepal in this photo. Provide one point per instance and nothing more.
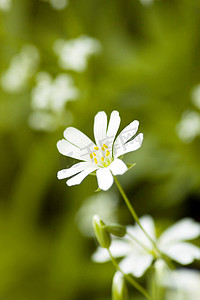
(102, 236)
(130, 166)
(97, 190)
(116, 229)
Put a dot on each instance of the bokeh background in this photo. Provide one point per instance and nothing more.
(61, 62)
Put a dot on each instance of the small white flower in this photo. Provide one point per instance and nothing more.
(189, 126)
(147, 2)
(5, 5)
(137, 259)
(102, 157)
(73, 54)
(22, 67)
(52, 94)
(58, 4)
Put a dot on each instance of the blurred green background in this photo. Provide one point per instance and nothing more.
(146, 66)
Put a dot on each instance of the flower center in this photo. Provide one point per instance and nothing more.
(102, 157)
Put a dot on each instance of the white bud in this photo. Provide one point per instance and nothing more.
(119, 289)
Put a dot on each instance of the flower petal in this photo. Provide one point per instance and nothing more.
(184, 253)
(100, 128)
(104, 178)
(185, 229)
(126, 134)
(118, 167)
(113, 127)
(120, 149)
(118, 248)
(67, 149)
(136, 264)
(74, 170)
(79, 139)
(147, 223)
(77, 179)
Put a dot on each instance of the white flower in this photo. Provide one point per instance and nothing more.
(22, 67)
(73, 54)
(102, 157)
(147, 2)
(5, 5)
(171, 243)
(189, 126)
(52, 94)
(58, 4)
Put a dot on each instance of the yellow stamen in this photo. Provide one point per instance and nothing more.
(105, 146)
(91, 156)
(107, 153)
(96, 148)
(102, 158)
(95, 160)
(94, 154)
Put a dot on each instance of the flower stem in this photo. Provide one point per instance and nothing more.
(130, 279)
(132, 211)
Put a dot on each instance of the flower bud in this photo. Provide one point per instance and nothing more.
(102, 236)
(116, 229)
(119, 289)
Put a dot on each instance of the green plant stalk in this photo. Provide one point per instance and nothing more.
(130, 279)
(132, 211)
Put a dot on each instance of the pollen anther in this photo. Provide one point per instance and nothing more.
(105, 146)
(107, 153)
(95, 160)
(96, 148)
(91, 156)
(102, 158)
(94, 154)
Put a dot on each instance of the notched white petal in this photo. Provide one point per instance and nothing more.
(127, 133)
(65, 173)
(185, 229)
(67, 149)
(77, 179)
(78, 138)
(120, 149)
(184, 253)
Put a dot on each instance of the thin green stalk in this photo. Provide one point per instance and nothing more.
(130, 279)
(132, 211)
